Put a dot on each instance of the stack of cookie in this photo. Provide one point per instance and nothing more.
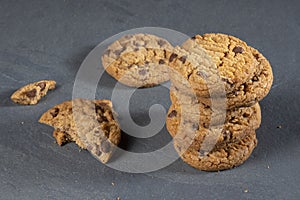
(216, 83)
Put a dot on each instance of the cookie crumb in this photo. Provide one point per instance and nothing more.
(112, 183)
(279, 126)
(268, 167)
(246, 190)
(22, 123)
(118, 198)
(32, 93)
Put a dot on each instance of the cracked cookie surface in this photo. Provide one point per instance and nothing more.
(232, 57)
(90, 124)
(252, 91)
(138, 60)
(200, 76)
(32, 93)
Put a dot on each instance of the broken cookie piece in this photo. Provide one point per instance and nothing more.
(88, 123)
(31, 94)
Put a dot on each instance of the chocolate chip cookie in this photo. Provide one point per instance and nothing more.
(224, 157)
(90, 124)
(138, 60)
(31, 94)
(207, 117)
(231, 56)
(237, 125)
(253, 90)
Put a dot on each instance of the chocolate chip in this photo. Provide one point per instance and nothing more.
(202, 74)
(136, 49)
(161, 42)
(31, 93)
(55, 112)
(165, 53)
(224, 79)
(202, 153)
(172, 57)
(256, 56)
(173, 113)
(182, 59)
(42, 85)
(195, 126)
(146, 62)
(130, 66)
(99, 109)
(193, 38)
(246, 115)
(142, 72)
(161, 61)
(98, 152)
(227, 134)
(238, 49)
(255, 78)
(101, 119)
(105, 146)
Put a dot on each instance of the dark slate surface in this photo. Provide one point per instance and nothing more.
(50, 39)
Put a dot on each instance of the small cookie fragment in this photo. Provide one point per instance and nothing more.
(138, 60)
(88, 123)
(31, 94)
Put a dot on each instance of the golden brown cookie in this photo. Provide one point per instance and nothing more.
(90, 124)
(232, 57)
(238, 123)
(200, 75)
(31, 94)
(208, 117)
(138, 60)
(229, 155)
(253, 90)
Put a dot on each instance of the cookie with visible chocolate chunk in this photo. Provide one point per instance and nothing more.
(184, 124)
(232, 57)
(31, 94)
(207, 117)
(90, 124)
(194, 73)
(224, 157)
(138, 60)
(216, 54)
(252, 91)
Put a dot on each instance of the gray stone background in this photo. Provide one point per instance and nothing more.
(50, 39)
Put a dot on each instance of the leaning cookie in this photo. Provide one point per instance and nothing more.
(31, 94)
(90, 124)
(138, 60)
(225, 157)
